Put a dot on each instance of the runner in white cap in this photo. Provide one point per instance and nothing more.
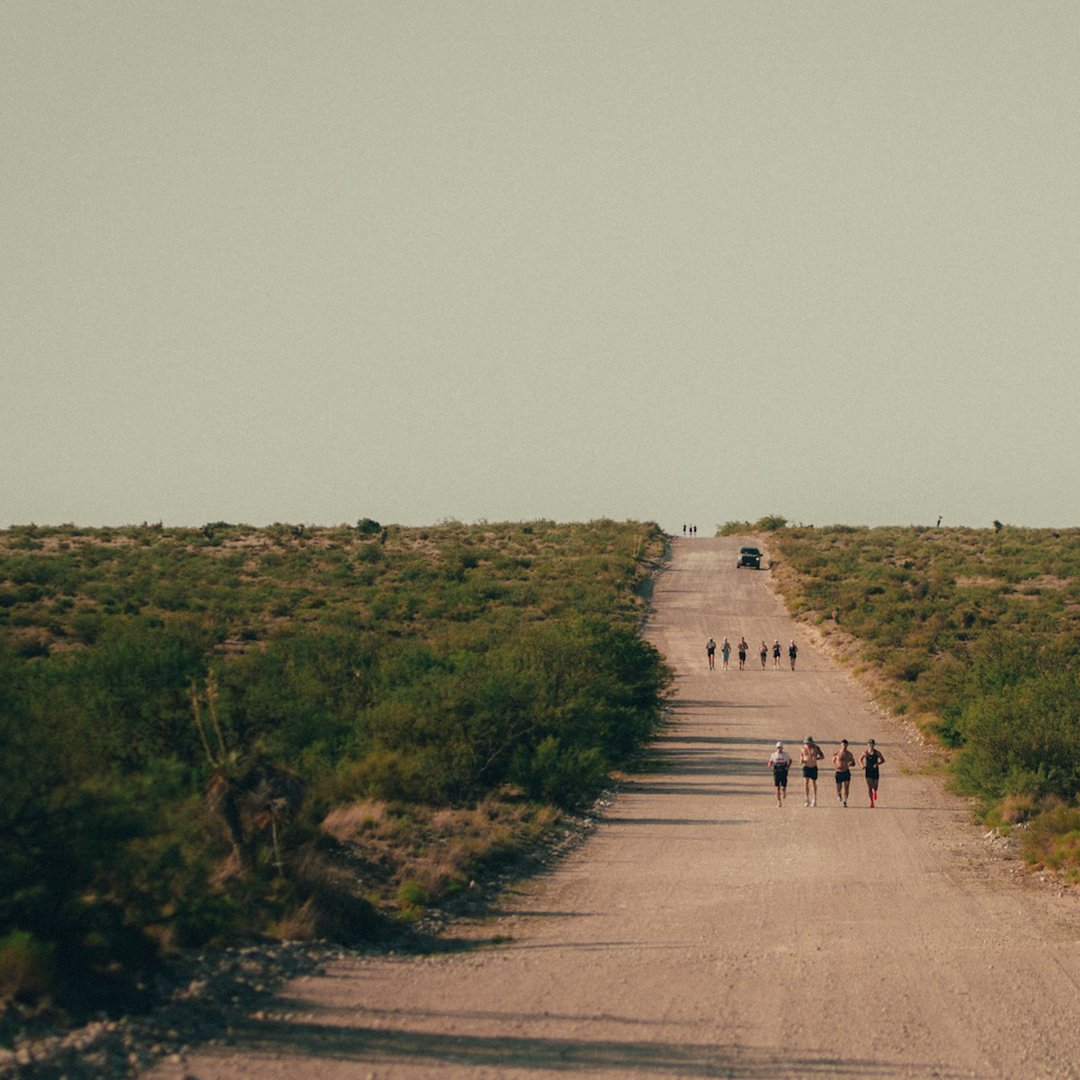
(780, 760)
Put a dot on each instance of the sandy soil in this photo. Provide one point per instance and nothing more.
(703, 932)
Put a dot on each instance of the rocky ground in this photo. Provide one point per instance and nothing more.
(200, 994)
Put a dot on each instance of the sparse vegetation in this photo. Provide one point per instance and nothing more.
(975, 633)
(769, 523)
(225, 731)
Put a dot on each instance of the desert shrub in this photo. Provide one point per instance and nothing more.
(63, 880)
(221, 688)
(26, 966)
(1052, 838)
(1014, 810)
(391, 776)
(1024, 739)
(369, 553)
(770, 523)
(734, 528)
(126, 701)
(563, 775)
(298, 697)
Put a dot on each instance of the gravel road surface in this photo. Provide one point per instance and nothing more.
(703, 932)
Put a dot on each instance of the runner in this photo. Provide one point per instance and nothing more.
(725, 651)
(843, 760)
(742, 653)
(810, 755)
(776, 655)
(764, 655)
(793, 651)
(780, 760)
(870, 759)
(710, 651)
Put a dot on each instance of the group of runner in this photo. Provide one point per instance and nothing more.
(843, 762)
(742, 649)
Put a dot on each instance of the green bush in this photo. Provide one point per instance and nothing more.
(26, 966)
(567, 776)
(770, 523)
(979, 630)
(1023, 739)
(212, 693)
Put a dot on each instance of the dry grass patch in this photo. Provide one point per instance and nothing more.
(412, 856)
(1048, 581)
(979, 583)
(1052, 840)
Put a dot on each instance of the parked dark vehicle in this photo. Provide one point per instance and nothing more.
(749, 556)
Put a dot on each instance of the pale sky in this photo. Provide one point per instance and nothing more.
(680, 261)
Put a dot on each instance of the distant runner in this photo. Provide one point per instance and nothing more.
(780, 760)
(742, 653)
(776, 654)
(870, 759)
(710, 651)
(793, 651)
(764, 655)
(843, 762)
(725, 651)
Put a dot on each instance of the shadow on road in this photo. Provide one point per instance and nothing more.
(698, 789)
(371, 1046)
(683, 705)
(615, 822)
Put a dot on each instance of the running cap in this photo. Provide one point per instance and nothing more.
(870, 742)
(844, 741)
(809, 738)
(779, 746)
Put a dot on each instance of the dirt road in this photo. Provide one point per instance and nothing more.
(703, 932)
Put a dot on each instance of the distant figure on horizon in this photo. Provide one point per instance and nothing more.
(742, 653)
(793, 651)
(776, 655)
(725, 652)
(764, 654)
(710, 651)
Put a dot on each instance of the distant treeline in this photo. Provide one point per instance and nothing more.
(180, 710)
(977, 635)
